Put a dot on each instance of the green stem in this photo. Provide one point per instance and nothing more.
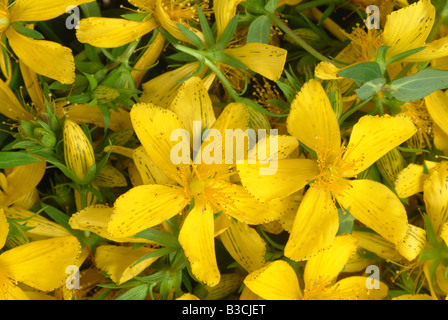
(279, 23)
(225, 82)
(348, 113)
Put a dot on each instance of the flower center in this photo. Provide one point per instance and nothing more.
(197, 186)
(4, 21)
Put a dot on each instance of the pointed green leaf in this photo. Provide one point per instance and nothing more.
(362, 72)
(259, 30)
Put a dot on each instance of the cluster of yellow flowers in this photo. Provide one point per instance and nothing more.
(225, 149)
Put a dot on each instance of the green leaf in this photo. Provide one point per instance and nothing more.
(221, 56)
(157, 253)
(370, 88)
(346, 221)
(164, 238)
(271, 6)
(362, 72)
(206, 30)
(403, 55)
(136, 293)
(191, 36)
(419, 85)
(259, 30)
(14, 159)
(228, 34)
(139, 17)
(30, 33)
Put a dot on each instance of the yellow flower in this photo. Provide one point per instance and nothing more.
(405, 29)
(39, 264)
(19, 181)
(278, 280)
(78, 151)
(116, 32)
(47, 58)
(313, 122)
(206, 186)
(434, 186)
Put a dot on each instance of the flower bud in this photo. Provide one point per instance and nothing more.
(78, 151)
(390, 165)
(229, 283)
(105, 94)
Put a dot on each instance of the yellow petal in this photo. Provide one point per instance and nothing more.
(95, 219)
(224, 11)
(143, 207)
(261, 58)
(292, 205)
(408, 28)
(313, 122)
(147, 59)
(9, 290)
(276, 281)
(200, 249)
(435, 195)
(33, 86)
(110, 177)
(112, 32)
(411, 179)
(4, 228)
(413, 244)
(119, 261)
(119, 119)
(162, 89)
(188, 296)
(434, 50)
(284, 178)
(192, 103)
(154, 127)
(10, 106)
(149, 172)
(376, 206)
(326, 71)
(326, 265)
(245, 245)
(242, 206)
(375, 243)
(372, 137)
(437, 105)
(232, 126)
(32, 10)
(41, 226)
(355, 288)
(170, 24)
(41, 264)
(47, 58)
(15, 187)
(314, 227)
(440, 138)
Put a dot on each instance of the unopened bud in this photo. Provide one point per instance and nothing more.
(390, 165)
(105, 94)
(78, 151)
(229, 283)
